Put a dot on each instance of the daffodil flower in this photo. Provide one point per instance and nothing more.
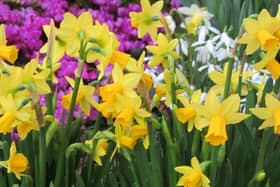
(192, 176)
(100, 150)
(148, 20)
(260, 33)
(17, 162)
(188, 113)
(219, 114)
(270, 63)
(270, 114)
(11, 117)
(8, 53)
(162, 50)
(84, 97)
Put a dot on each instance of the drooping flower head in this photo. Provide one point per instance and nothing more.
(219, 114)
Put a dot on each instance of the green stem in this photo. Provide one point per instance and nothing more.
(42, 156)
(154, 159)
(239, 85)
(214, 165)
(170, 154)
(195, 143)
(228, 78)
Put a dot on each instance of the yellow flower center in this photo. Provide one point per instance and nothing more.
(109, 92)
(276, 120)
(273, 67)
(17, 163)
(8, 53)
(7, 121)
(217, 134)
(185, 114)
(127, 141)
(267, 40)
(138, 131)
(192, 179)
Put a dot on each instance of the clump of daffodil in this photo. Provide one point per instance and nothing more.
(123, 85)
(192, 175)
(84, 97)
(219, 78)
(260, 33)
(195, 16)
(188, 113)
(270, 62)
(217, 115)
(162, 50)
(148, 20)
(7, 52)
(270, 114)
(72, 30)
(17, 162)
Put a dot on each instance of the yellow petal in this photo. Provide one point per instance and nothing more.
(236, 118)
(250, 25)
(266, 123)
(262, 113)
(230, 105)
(271, 102)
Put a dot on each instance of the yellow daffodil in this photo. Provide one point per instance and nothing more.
(24, 127)
(217, 115)
(270, 114)
(17, 162)
(130, 109)
(123, 138)
(30, 75)
(11, 117)
(195, 16)
(8, 53)
(260, 33)
(10, 80)
(162, 50)
(192, 176)
(100, 150)
(219, 78)
(140, 131)
(188, 113)
(72, 30)
(148, 20)
(84, 97)
(270, 63)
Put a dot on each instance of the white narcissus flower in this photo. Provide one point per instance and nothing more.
(195, 17)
